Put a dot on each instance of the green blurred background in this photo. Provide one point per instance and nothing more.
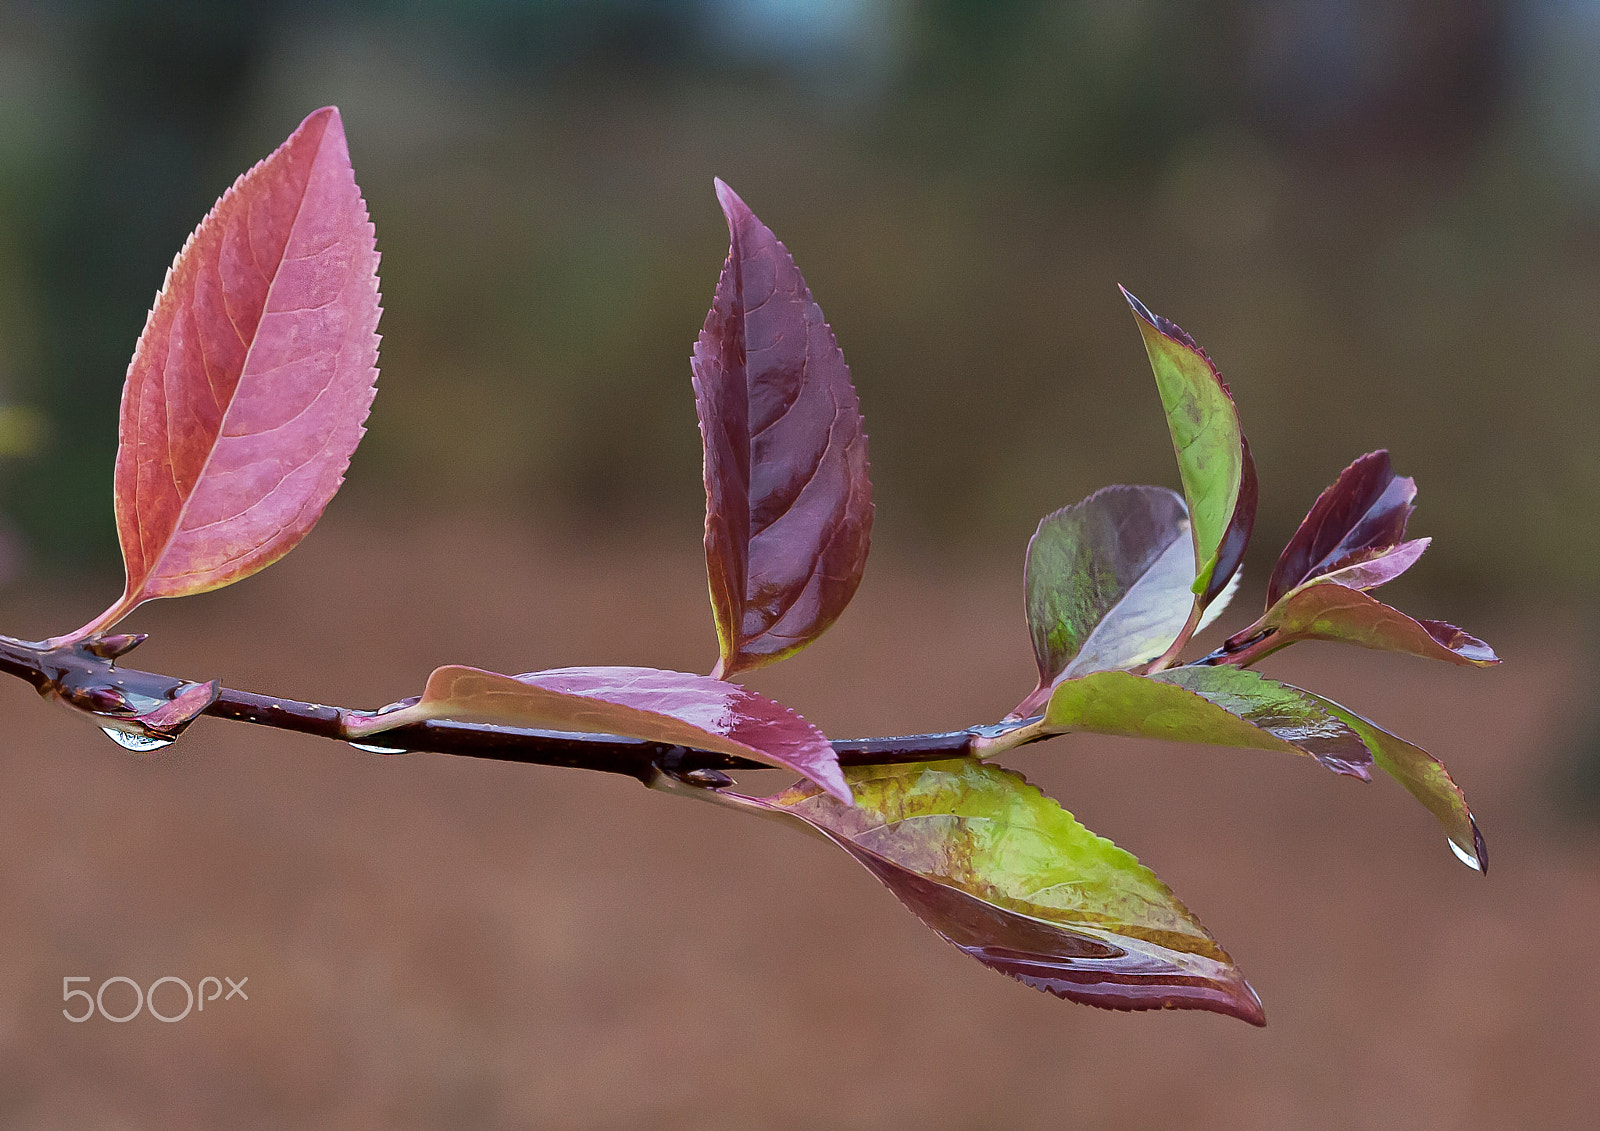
(1381, 218)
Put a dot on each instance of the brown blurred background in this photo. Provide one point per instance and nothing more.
(1381, 218)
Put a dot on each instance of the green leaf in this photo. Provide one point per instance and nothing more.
(1108, 585)
(1213, 458)
(1212, 705)
(1005, 874)
(1102, 566)
(1426, 779)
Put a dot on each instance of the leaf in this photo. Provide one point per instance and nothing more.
(1219, 477)
(675, 708)
(1108, 585)
(175, 715)
(1366, 509)
(788, 501)
(253, 376)
(1372, 568)
(1426, 779)
(1013, 880)
(1327, 611)
(1298, 717)
(1213, 705)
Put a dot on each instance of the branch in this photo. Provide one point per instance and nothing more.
(84, 675)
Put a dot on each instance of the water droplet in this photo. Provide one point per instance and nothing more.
(1467, 858)
(138, 743)
(370, 749)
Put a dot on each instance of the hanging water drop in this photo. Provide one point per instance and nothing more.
(370, 749)
(1467, 858)
(138, 743)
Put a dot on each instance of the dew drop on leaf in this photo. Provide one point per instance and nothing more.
(138, 743)
(1463, 855)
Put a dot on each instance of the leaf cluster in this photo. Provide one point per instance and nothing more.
(248, 392)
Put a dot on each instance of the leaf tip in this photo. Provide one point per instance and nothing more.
(1250, 1008)
(327, 118)
(732, 206)
(1139, 308)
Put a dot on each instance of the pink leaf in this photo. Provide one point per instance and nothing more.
(255, 372)
(676, 708)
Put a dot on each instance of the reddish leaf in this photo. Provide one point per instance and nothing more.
(255, 371)
(659, 706)
(788, 501)
(182, 709)
(1365, 509)
(1326, 611)
(1372, 568)
(1013, 880)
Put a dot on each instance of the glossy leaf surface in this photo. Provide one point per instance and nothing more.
(1298, 717)
(1219, 477)
(676, 708)
(788, 500)
(1010, 878)
(1426, 779)
(1372, 568)
(1366, 509)
(173, 716)
(253, 376)
(1216, 706)
(1326, 611)
(1108, 584)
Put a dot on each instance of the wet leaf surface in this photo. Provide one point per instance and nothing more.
(788, 499)
(1365, 509)
(1216, 706)
(1326, 611)
(676, 708)
(1000, 870)
(1109, 585)
(1296, 716)
(1426, 779)
(1372, 568)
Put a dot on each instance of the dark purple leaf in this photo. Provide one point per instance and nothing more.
(788, 501)
(1365, 509)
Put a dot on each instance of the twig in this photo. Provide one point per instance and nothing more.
(118, 697)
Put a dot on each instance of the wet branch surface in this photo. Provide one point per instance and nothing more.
(85, 676)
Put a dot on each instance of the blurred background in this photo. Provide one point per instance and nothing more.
(1380, 217)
